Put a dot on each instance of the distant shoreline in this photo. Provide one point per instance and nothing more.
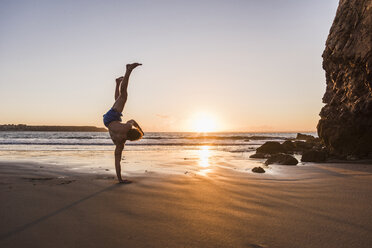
(22, 127)
(53, 128)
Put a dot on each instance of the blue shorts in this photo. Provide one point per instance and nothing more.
(111, 116)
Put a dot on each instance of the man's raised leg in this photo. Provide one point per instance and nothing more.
(123, 94)
(117, 89)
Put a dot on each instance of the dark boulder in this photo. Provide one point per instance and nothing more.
(302, 146)
(306, 137)
(260, 155)
(258, 170)
(271, 147)
(314, 156)
(288, 146)
(282, 159)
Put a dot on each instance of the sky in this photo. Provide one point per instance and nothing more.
(252, 65)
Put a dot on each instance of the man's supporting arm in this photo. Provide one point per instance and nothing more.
(118, 152)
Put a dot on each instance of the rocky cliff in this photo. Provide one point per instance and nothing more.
(345, 126)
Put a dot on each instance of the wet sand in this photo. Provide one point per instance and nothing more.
(317, 205)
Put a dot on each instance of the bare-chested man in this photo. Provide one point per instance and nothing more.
(121, 132)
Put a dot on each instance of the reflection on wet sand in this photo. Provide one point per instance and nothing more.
(204, 154)
(201, 160)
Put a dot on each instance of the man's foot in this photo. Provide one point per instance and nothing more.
(119, 79)
(132, 66)
(125, 181)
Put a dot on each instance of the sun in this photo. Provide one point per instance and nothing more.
(203, 123)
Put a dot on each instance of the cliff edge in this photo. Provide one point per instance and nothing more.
(345, 126)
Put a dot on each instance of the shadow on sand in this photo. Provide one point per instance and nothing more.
(54, 213)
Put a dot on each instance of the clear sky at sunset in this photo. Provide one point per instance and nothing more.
(251, 65)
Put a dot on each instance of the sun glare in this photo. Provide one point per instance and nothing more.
(204, 123)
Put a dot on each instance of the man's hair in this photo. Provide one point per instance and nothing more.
(134, 134)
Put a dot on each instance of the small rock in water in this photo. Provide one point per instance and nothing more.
(258, 170)
(282, 159)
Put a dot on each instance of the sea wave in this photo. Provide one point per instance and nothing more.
(233, 137)
(54, 137)
(165, 137)
(130, 144)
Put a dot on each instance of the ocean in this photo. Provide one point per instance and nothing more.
(157, 151)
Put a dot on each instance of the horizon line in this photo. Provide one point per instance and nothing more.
(224, 131)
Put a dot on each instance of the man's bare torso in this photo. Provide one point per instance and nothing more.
(118, 132)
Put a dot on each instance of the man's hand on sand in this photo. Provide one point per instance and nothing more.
(132, 66)
(125, 181)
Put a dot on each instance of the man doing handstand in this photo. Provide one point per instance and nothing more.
(121, 132)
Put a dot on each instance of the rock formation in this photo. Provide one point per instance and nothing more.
(314, 156)
(270, 147)
(281, 158)
(258, 170)
(345, 126)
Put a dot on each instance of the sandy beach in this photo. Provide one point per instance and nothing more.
(228, 123)
(317, 205)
